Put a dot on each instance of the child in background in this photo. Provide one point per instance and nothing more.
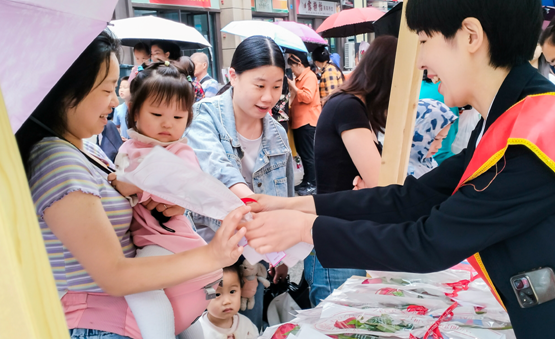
(120, 112)
(159, 112)
(222, 320)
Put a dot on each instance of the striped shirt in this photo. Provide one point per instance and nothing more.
(57, 169)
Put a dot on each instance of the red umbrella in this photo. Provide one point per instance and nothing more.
(350, 22)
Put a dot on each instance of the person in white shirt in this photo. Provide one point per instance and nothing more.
(222, 320)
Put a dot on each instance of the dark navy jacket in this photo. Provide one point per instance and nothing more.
(111, 140)
(421, 227)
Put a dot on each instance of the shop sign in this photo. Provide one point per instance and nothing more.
(381, 5)
(264, 6)
(318, 8)
(269, 6)
(192, 3)
(347, 4)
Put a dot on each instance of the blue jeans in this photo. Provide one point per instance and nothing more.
(323, 281)
(83, 333)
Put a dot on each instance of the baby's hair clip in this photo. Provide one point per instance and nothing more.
(139, 69)
(167, 63)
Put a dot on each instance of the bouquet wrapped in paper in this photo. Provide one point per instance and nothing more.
(165, 175)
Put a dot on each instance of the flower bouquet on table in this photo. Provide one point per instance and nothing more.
(362, 301)
(373, 322)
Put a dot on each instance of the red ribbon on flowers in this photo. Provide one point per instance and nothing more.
(459, 286)
(434, 329)
(247, 200)
(420, 310)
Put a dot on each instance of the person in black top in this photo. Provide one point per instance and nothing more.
(345, 145)
(504, 212)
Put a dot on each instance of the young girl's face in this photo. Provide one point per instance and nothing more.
(161, 121)
(228, 299)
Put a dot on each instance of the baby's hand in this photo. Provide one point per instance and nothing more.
(224, 246)
(123, 188)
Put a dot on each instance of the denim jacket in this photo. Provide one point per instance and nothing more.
(213, 136)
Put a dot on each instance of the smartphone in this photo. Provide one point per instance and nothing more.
(534, 287)
(289, 73)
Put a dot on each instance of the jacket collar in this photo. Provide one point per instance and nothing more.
(523, 80)
(512, 90)
(303, 74)
(272, 141)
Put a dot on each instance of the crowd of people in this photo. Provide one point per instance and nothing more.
(116, 250)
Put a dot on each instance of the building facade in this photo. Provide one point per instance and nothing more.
(209, 16)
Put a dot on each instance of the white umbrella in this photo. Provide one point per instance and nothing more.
(280, 35)
(147, 28)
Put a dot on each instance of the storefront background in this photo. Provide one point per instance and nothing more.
(197, 14)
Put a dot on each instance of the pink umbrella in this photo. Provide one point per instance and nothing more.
(350, 22)
(307, 34)
(40, 40)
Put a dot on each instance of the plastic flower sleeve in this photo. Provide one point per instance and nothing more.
(169, 177)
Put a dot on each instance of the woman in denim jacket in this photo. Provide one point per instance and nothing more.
(238, 142)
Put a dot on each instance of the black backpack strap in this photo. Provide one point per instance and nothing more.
(106, 170)
(206, 78)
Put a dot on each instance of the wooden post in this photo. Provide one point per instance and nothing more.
(29, 304)
(402, 107)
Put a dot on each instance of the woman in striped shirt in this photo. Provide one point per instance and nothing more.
(84, 220)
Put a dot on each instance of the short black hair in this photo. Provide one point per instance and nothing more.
(511, 26)
(141, 47)
(321, 54)
(295, 57)
(235, 268)
(125, 78)
(168, 46)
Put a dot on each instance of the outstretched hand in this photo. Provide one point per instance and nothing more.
(266, 203)
(276, 231)
(224, 246)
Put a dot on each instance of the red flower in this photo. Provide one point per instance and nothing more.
(347, 323)
(284, 330)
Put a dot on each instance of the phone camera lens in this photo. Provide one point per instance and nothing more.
(521, 283)
(529, 292)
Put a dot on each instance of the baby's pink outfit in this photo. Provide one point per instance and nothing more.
(145, 229)
(188, 299)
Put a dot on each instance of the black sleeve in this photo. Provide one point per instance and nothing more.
(349, 114)
(518, 198)
(395, 203)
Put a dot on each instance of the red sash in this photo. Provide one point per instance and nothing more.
(531, 123)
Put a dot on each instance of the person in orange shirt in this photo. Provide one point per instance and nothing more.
(304, 113)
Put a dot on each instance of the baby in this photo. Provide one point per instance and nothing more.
(222, 320)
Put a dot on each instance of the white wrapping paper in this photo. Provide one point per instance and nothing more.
(169, 177)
